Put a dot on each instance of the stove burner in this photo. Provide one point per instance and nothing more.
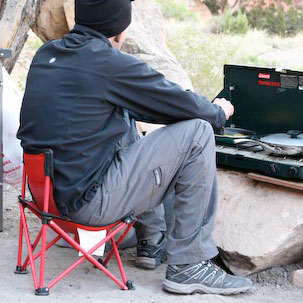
(256, 151)
(253, 158)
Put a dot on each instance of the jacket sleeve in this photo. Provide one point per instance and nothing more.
(134, 85)
(142, 118)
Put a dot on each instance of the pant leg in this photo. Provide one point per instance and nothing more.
(151, 224)
(178, 157)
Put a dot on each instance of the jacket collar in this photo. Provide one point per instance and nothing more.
(87, 31)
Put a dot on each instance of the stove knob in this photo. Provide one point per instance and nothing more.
(293, 171)
(273, 168)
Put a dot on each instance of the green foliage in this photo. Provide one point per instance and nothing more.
(276, 19)
(215, 6)
(33, 44)
(203, 55)
(234, 24)
(173, 9)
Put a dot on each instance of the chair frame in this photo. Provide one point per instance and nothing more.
(53, 221)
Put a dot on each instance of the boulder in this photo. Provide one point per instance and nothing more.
(296, 277)
(69, 10)
(51, 22)
(259, 225)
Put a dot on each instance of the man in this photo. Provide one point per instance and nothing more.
(81, 100)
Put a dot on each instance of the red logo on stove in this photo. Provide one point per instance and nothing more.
(264, 76)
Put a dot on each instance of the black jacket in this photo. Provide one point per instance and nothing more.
(76, 90)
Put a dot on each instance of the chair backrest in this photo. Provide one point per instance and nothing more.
(39, 172)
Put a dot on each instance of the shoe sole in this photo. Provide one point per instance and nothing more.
(187, 289)
(147, 263)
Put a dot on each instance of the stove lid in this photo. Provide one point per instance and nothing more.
(265, 100)
(286, 139)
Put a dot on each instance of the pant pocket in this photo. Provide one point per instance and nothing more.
(158, 176)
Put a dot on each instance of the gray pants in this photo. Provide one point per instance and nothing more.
(178, 158)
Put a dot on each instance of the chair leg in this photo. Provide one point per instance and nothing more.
(42, 291)
(19, 270)
(128, 283)
(119, 262)
(110, 254)
(86, 256)
(26, 262)
(29, 247)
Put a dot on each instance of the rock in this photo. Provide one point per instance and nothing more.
(296, 277)
(259, 225)
(51, 22)
(69, 10)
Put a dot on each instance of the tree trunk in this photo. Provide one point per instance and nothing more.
(16, 18)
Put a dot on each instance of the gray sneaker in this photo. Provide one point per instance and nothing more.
(203, 277)
(151, 255)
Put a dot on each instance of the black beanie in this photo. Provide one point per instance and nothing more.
(109, 17)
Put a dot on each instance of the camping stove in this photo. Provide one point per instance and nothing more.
(267, 101)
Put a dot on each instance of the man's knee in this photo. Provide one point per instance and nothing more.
(202, 128)
(191, 131)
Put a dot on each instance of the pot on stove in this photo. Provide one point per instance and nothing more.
(282, 144)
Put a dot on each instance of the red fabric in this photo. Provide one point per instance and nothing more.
(34, 167)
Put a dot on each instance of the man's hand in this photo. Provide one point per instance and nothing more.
(227, 107)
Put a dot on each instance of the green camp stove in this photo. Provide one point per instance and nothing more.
(269, 103)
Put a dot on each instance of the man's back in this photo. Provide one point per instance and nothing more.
(65, 109)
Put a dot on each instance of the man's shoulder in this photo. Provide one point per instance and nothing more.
(122, 56)
(122, 61)
(91, 54)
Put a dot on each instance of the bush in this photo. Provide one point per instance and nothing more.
(234, 24)
(172, 9)
(215, 6)
(275, 19)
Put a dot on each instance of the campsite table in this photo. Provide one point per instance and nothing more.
(4, 53)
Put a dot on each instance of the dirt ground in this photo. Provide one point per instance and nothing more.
(87, 284)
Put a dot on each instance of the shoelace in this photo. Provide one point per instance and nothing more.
(215, 267)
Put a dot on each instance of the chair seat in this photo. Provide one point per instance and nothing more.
(65, 221)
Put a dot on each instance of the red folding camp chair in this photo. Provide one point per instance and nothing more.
(38, 174)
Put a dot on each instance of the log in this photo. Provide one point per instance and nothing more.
(16, 18)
